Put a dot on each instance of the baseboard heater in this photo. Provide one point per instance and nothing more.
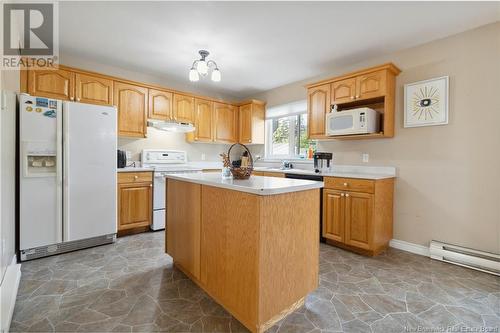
(458, 255)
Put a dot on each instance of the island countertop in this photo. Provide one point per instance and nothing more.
(255, 184)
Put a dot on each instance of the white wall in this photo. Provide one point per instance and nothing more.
(9, 81)
(448, 185)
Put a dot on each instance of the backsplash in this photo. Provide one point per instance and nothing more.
(176, 141)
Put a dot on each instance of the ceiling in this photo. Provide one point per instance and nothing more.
(257, 45)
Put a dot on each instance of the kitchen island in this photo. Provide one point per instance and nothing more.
(252, 245)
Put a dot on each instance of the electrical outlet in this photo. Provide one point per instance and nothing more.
(366, 157)
(128, 153)
(203, 157)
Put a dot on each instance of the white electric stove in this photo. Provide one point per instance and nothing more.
(164, 162)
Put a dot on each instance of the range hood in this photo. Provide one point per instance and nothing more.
(171, 126)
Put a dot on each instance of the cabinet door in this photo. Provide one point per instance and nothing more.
(134, 205)
(371, 85)
(203, 120)
(333, 215)
(318, 104)
(343, 91)
(131, 101)
(184, 108)
(358, 219)
(58, 84)
(93, 90)
(246, 123)
(160, 104)
(225, 123)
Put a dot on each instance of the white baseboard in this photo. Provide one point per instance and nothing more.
(409, 247)
(8, 294)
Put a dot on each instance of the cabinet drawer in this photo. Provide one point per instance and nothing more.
(350, 184)
(134, 177)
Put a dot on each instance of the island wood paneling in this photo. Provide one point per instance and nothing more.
(184, 224)
(258, 256)
(230, 237)
(295, 274)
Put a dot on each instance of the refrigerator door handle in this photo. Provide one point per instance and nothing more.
(65, 170)
(59, 173)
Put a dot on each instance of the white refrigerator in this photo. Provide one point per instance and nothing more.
(67, 176)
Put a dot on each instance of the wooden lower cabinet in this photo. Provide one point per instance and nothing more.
(333, 215)
(135, 200)
(358, 220)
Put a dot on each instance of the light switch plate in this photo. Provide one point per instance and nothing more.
(366, 157)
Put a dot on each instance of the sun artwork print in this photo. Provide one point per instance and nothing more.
(426, 102)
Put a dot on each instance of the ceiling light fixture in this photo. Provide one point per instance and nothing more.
(202, 66)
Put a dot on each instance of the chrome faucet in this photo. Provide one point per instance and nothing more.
(286, 165)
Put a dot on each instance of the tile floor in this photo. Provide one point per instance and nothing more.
(133, 286)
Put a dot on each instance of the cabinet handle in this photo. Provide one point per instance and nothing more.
(150, 185)
(78, 99)
(352, 97)
(71, 98)
(136, 177)
(357, 96)
(342, 194)
(347, 194)
(345, 184)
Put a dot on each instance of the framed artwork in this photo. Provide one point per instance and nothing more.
(426, 102)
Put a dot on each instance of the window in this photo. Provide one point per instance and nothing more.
(286, 134)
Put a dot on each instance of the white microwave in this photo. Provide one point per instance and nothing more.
(354, 121)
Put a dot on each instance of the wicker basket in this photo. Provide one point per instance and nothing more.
(238, 172)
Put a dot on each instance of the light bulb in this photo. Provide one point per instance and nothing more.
(216, 75)
(193, 75)
(202, 67)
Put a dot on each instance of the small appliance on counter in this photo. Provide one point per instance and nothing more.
(122, 159)
(322, 162)
(354, 121)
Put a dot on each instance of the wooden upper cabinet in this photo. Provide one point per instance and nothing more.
(93, 89)
(358, 219)
(252, 123)
(59, 84)
(333, 215)
(131, 101)
(225, 123)
(160, 104)
(318, 104)
(183, 108)
(371, 85)
(246, 123)
(203, 120)
(343, 91)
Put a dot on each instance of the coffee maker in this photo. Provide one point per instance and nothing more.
(322, 162)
